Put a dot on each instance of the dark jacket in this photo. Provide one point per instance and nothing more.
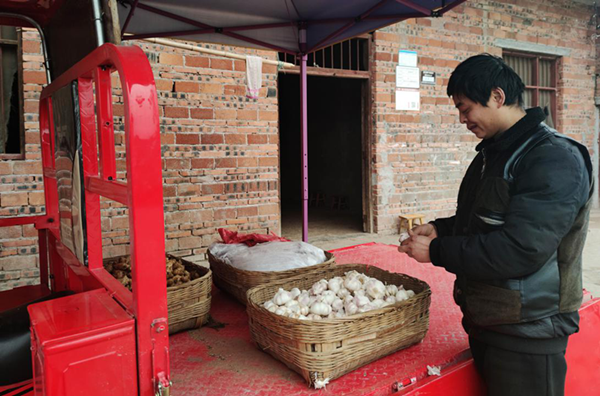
(516, 240)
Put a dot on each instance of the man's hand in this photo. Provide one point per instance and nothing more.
(417, 246)
(427, 230)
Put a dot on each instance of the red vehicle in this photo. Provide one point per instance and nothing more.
(90, 335)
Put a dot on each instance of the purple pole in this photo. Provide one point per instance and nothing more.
(304, 127)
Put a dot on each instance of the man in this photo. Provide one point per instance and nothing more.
(516, 240)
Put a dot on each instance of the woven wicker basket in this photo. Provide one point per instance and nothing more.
(188, 304)
(330, 348)
(237, 282)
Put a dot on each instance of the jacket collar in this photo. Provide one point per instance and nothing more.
(532, 119)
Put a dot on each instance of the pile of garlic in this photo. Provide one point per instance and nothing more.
(336, 298)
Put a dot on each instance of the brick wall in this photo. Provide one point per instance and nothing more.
(220, 150)
(21, 188)
(421, 156)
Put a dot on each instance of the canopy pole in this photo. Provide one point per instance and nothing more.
(304, 126)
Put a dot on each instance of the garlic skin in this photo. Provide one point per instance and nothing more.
(295, 292)
(401, 295)
(328, 297)
(319, 287)
(337, 304)
(350, 308)
(343, 292)
(319, 308)
(390, 300)
(335, 284)
(352, 284)
(304, 299)
(391, 290)
(375, 288)
(269, 303)
(281, 297)
(282, 311)
(361, 301)
(304, 311)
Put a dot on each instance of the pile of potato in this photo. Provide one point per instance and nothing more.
(177, 274)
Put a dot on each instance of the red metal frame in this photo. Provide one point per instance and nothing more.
(142, 194)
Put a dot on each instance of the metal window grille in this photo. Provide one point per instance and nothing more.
(539, 74)
(351, 54)
(11, 94)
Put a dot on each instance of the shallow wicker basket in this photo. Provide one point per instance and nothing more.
(237, 282)
(188, 304)
(330, 348)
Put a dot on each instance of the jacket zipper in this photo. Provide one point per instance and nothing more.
(484, 162)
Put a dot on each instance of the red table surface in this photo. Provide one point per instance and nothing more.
(224, 361)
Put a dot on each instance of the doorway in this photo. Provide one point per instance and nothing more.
(335, 156)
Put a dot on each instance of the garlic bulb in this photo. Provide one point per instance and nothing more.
(319, 287)
(281, 297)
(375, 288)
(268, 304)
(361, 300)
(337, 304)
(319, 308)
(335, 284)
(304, 310)
(410, 293)
(304, 299)
(282, 311)
(352, 284)
(295, 292)
(314, 317)
(350, 308)
(391, 290)
(328, 297)
(343, 292)
(390, 299)
(401, 295)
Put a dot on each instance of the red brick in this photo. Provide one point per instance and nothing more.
(268, 115)
(171, 59)
(34, 77)
(203, 163)
(201, 113)
(209, 88)
(268, 161)
(36, 198)
(188, 138)
(164, 85)
(13, 199)
(223, 64)
(235, 139)
(31, 47)
(226, 163)
(257, 139)
(186, 86)
(213, 138)
(177, 112)
(247, 114)
(197, 61)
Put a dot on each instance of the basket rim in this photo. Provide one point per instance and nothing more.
(426, 292)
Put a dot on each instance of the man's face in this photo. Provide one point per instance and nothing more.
(479, 119)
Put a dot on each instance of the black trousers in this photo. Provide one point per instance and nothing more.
(508, 373)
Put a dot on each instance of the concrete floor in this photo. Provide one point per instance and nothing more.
(332, 230)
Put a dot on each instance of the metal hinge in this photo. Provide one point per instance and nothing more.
(164, 385)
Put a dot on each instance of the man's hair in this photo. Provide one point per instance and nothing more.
(477, 76)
